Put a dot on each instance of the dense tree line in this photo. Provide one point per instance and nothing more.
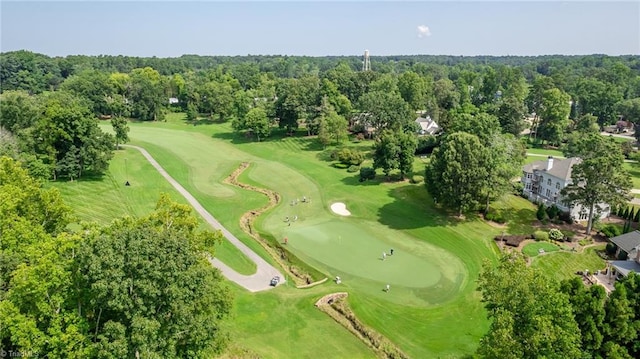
(492, 98)
(55, 134)
(137, 288)
(534, 316)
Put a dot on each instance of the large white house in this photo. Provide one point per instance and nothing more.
(543, 181)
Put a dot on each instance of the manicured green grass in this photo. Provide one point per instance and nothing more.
(564, 265)
(519, 213)
(104, 199)
(284, 323)
(532, 249)
(432, 309)
(546, 152)
(634, 172)
(622, 139)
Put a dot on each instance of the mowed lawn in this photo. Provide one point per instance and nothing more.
(564, 265)
(634, 171)
(104, 199)
(533, 249)
(432, 309)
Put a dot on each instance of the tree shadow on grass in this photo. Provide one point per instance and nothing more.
(354, 180)
(235, 138)
(521, 221)
(200, 122)
(413, 208)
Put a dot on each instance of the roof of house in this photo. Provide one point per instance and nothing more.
(561, 167)
(624, 267)
(427, 124)
(628, 241)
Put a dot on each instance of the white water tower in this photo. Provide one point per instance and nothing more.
(366, 64)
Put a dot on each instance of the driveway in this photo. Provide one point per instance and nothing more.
(265, 271)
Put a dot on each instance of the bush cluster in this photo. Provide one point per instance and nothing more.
(417, 179)
(495, 217)
(611, 230)
(426, 144)
(541, 235)
(555, 234)
(348, 156)
(367, 173)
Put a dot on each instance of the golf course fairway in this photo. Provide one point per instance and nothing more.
(431, 273)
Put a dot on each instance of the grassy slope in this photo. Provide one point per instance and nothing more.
(103, 200)
(564, 265)
(448, 327)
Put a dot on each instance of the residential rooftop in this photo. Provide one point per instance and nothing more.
(561, 168)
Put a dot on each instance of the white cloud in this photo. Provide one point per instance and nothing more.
(423, 31)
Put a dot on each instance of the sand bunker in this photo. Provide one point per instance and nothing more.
(340, 208)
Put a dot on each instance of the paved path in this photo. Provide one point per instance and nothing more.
(265, 271)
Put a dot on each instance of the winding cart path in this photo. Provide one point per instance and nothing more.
(264, 272)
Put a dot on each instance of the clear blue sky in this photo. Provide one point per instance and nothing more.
(317, 28)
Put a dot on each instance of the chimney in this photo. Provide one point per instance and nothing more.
(549, 163)
(638, 254)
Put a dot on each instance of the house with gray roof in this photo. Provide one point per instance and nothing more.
(543, 181)
(427, 126)
(628, 247)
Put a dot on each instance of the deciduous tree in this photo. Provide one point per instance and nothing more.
(531, 318)
(413, 89)
(600, 176)
(332, 127)
(456, 173)
(121, 129)
(554, 114)
(147, 278)
(386, 110)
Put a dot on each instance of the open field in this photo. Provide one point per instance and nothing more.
(432, 272)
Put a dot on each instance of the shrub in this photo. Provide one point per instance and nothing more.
(568, 235)
(611, 248)
(555, 234)
(541, 236)
(340, 165)
(552, 211)
(417, 179)
(541, 214)
(517, 188)
(360, 137)
(348, 156)
(627, 149)
(566, 217)
(367, 173)
(611, 230)
(426, 144)
(495, 217)
(353, 169)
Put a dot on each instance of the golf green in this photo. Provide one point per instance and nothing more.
(357, 251)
